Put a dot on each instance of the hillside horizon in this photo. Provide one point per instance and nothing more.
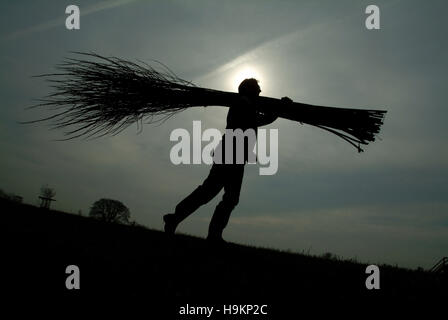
(145, 263)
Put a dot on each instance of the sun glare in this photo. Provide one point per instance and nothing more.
(242, 73)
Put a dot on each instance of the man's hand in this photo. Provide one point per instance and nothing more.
(286, 100)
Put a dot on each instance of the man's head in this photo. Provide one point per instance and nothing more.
(249, 88)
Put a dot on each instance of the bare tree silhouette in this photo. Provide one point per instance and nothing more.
(110, 210)
(46, 196)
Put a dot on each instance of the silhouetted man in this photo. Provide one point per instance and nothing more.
(229, 176)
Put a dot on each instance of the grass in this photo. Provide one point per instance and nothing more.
(141, 263)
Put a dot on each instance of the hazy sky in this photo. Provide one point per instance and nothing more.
(386, 205)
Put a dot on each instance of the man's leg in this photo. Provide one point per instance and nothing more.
(200, 196)
(232, 187)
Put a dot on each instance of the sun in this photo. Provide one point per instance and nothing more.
(245, 72)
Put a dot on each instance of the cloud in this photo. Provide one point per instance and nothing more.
(56, 22)
(255, 53)
(386, 204)
(372, 233)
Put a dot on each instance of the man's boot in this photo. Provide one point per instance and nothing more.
(171, 223)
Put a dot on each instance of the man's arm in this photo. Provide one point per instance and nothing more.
(269, 117)
(264, 119)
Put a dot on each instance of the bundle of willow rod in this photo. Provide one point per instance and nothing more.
(95, 95)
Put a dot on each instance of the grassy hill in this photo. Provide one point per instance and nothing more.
(148, 267)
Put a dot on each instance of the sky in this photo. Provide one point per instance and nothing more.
(386, 205)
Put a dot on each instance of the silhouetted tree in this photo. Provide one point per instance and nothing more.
(110, 211)
(46, 195)
(47, 192)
